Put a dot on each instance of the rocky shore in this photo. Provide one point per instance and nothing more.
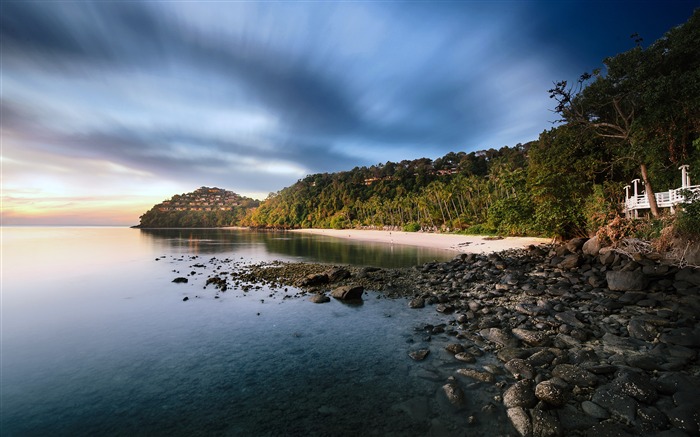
(588, 340)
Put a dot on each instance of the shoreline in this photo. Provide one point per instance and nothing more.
(452, 242)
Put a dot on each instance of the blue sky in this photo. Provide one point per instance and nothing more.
(109, 107)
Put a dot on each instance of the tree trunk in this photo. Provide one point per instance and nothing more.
(649, 190)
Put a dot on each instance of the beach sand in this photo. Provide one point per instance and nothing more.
(457, 243)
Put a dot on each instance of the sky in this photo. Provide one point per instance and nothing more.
(109, 107)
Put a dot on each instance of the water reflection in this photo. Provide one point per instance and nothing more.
(290, 246)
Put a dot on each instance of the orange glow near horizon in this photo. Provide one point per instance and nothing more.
(75, 210)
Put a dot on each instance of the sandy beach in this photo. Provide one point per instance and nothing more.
(457, 243)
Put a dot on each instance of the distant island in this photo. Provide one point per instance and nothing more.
(204, 207)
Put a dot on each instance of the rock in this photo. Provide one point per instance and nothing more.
(689, 275)
(348, 292)
(453, 392)
(520, 394)
(685, 418)
(570, 318)
(465, 357)
(641, 330)
(520, 369)
(498, 336)
(520, 420)
(417, 302)
(454, 348)
(419, 355)
(541, 358)
(594, 410)
(314, 279)
(619, 405)
(682, 337)
(320, 298)
(545, 423)
(572, 419)
(575, 244)
(550, 393)
(625, 281)
(180, 280)
(185, 299)
(636, 385)
(477, 375)
(571, 261)
(575, 375)
(592, 246)
(337, 274)
(533, 338)
(606, 256)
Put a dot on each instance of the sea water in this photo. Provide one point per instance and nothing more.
(97, 340)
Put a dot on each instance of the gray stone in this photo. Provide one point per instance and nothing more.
(314, 279)
(541, 358)
(625, 281)
(682, 337)
(454, 393)
(636, 385)
(570, 318)
(619, 405)
(498, 336)
(575, 244)
(533, 338)
(477, 375)
(520, 420)
(551, 393)
(419, 355)
(592, 246)
(454, 348)
(348, 292)
(465, 357)
(594, 410)
(571, 261)
(572, 419)
(606, 256)
(689, 275)
(417, 302)
(337, 274)
(641, 330)
(575, 375)
(520, 394)
(520, 369)
(320, 298)
(545, 423)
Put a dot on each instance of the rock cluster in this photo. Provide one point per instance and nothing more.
(592, 341)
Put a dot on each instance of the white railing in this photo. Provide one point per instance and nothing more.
(665, 199)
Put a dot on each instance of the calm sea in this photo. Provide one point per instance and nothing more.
(96, 340)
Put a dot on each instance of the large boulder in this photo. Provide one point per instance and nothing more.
(348, 292)
(314, 279)
(592, 246)
(626, 281)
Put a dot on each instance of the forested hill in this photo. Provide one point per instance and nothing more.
(204, 207)
(454, 191)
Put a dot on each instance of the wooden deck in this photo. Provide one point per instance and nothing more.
(666, 199)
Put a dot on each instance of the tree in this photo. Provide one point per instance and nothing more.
(647, 101)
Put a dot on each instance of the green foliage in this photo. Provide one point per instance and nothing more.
(411, 227)
(688, 218)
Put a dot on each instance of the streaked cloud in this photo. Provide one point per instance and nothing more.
(142, 100)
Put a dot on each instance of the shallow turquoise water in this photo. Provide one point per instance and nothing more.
(96, 340)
